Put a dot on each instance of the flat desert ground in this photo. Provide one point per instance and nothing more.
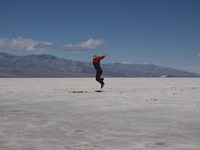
(129, 114)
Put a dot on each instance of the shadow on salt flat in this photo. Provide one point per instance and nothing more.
(84, 91)
(78, 91)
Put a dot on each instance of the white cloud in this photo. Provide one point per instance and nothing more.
(197, 55)
(194, 56)
(126, 62)
(87, 45)
(24, 44)
(123, 62)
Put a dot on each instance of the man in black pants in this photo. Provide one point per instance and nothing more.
(99, 71)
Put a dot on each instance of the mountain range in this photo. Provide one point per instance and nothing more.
(46, 65)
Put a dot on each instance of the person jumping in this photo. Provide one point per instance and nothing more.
(96, 62)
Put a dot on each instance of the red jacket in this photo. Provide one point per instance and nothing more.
(97, 59)
(96, 62)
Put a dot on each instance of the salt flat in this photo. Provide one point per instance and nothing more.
(130, 114)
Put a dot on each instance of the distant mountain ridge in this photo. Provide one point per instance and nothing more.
(46, 65)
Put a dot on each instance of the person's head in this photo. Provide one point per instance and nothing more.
(96, 55)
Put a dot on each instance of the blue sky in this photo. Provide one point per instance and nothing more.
(160, 32)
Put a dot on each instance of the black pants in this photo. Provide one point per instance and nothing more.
(98, 75)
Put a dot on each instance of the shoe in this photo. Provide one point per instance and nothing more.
(102, 85)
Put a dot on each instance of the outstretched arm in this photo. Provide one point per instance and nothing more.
(101, 57)
(105, 55)
(98, 58)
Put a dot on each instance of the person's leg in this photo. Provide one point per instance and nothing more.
(98, 74)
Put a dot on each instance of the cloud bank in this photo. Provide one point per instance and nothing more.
(25, 44)
(87, 45)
